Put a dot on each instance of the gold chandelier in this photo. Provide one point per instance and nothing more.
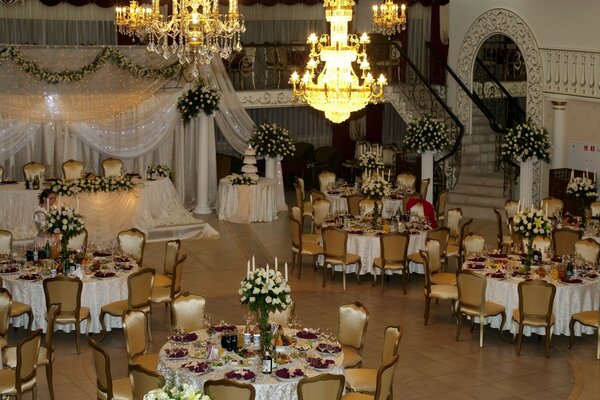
(196, 30)
(337, 90)
(386, 19)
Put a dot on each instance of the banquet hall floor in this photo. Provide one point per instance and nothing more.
(432, 364)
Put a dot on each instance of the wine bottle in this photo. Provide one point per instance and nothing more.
(47, 250)
(267, 362)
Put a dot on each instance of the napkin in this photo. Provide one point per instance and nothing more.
(78, 273)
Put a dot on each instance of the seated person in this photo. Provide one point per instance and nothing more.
(47, 201)
(428, 210)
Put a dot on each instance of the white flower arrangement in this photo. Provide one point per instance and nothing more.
(64, 221)
(582, 188)
(272, 140)
(159, 170)
(370, 160)
(176, 392)
(201, 98)
(531, 222)
(237, 179)
(106, 54)
(93, 185)
(526, 141)
(375, 187)
(426, 134)
(265, 289)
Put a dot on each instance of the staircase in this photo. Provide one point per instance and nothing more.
(479, 187)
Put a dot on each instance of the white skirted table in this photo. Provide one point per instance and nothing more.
(247, 203)
(339, 204)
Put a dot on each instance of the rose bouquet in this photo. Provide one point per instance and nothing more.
(426, 134)
(176, 392)
(67, 223)
(525, 141)
(271, 140)
(375, 187)
(202, 98)
(582, 188)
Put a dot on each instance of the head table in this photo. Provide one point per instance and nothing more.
(503, 276)
(203, 349)
(101, 287)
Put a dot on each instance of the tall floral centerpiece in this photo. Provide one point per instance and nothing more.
(201, 98)
(265, 291)
(176, 392)
(527, 143)
(370, 161)
(584, 190)
(528, 224)
(67, 223)
(375, 187)
(273, 142)
(426, 136)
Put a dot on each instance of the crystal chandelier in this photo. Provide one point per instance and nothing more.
(386, 19)
(196, 30)
(337, 90)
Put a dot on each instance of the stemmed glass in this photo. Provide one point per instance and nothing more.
(207, 320)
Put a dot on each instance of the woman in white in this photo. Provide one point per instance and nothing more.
(47, 201)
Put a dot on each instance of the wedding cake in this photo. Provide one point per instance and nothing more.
(249, 168)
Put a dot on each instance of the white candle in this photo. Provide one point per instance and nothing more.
(248, 270)
(267, 275)
(586, 172)
(572, 174)
(47, 204)
(519, 206)
(253, 266)
(276, 264)
(77, 198)
(286, 271)
(547, 209)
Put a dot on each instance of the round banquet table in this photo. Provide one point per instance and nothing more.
(96, 293)
(268, 387)
(339, 204)
(247, 203)
(570, 298)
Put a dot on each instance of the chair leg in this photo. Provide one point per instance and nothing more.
(459, 322)
(149, 325)
(77, 333)
(293, 261)
(102, 325)
(344, 277)
(382, 280)
(427, 305)
(571, 326)
(548, 339)
(520, 339)
(299, 265)
(325, 273)
(358, 268)
(481, 326)
(375, 275)
(49, 378)
(29, 320)
(405, 277)
(501, 328)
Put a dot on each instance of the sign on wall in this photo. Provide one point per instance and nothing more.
(584, 156)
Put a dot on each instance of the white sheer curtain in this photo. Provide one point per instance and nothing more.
(419, 32)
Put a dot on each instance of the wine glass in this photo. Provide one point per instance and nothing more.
(207, 320)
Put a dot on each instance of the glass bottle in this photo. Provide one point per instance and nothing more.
(267, 362)
(47, 250)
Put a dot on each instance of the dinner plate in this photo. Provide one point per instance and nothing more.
(200, 368)
(281, 372)
(242, 375)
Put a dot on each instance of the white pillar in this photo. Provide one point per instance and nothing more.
(526, 182)
(427, 173)
(202, 206)
(558, 134)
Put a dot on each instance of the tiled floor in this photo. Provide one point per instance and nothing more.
(432, 364)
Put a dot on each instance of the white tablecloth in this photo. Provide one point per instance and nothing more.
(569, 299)
(247, 203)
(339, 204)
(267, 386)
(151, 204)
(96, 293)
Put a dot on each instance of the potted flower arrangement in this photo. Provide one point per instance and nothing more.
(272, 140)
(176, 392)
(584, 190)
(426, 134)
(370, 161)
(159, 170)
(237, 179)
(375, 187)
(67, 223)
(201, 98)
(528, 224)
(526, 141)
(265, 291)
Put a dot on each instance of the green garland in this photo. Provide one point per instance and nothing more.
(106, 54)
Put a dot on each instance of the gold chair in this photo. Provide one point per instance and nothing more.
(435, 291)
(365, 379)
(367, 206)
(588, 249)
(536, 299)
(353, 202)
(441, 234)
(504, 242)
(188, 311)
(106, 387)
(587, 318)
(542, 244)
(6, 239)
(72, 169)
(456, 250)
(66, 291)
(139, 296)
(440, 207)
(172, 248)
(321, 210)
(5, 306)
(473, 244)
(296, 214)
(300, 247)
(552, 207)
(326, 179)
(406, 180)
(284, 316)
(227, 389)
(394, 249)
(305, 206)
(135, 326)
(112, 167)
(472, 303)
(78, 242)
(406, 198)
(317, 195)
(424, 187)
(417, 209)
(166, 295)
(15, 382)
(564, 239)
(18, 309)
(46, 353)
(1, 173)
(321, 387)
(436, 262)
(33, 169)
(353, 319)
(453, 220)
(335, 249)
(385, 380)
(595, 208)
(143, 380)
(388, 156)
(132, 242)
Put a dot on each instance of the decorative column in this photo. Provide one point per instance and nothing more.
(427, 172)
(273, 171)
(202, 206)
(558, 134)
(526, 182)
